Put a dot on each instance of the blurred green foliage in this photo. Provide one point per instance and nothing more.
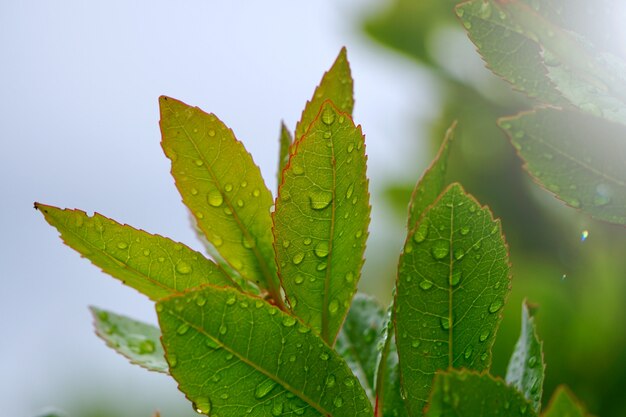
(578, 283)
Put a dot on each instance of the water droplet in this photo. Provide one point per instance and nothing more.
(333, 306)
(484, 356)
(240, 203)
(277, 409)
(289, 321)
(299, 279)
(122, 245)
(215, 198)
(584, 235)
(349, 277)
(455, 277)
(146, 347)
(223, 329)
(264, 388)
(445, 323)
(440, 249)
(330, 381)
(321, 266)
(465, 230)
(321, 250)
(324, 356)
(183, 268)
(307, 241)
(495, 306)
(358, 234)
(416, 343)
(485, 10)
(297, 258)
(350, 147)
(320, 200)
(146, 252)
(350, 191)
(468, 351)
(426, 285)
(338, 401)
(200, 301)
(484, 335)
(286, 244)
(172, 360)
(199, 162)
(248, 242)
(194, 191)
(459, 254)
(328, 116)
(421, 233)
(532, 361)
(467, 24)
(217, 241)
(202, 406)
(211, 132)
(182, 329)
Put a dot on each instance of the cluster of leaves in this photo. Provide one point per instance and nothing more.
(271, 325)
(573, 143)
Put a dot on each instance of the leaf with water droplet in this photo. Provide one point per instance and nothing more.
(336, 85)
(358, 340)
(564, 403)
(195, 135)
(283, 153)
(135, 263)
(467, 393)
(314, 221)
(139, 342)
(257, 353)
(526, 368)
(431, 184)
(434, 289)
(596, 167)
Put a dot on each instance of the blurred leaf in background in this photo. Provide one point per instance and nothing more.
(569, 264)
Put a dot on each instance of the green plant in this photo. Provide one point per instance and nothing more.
(271, 325)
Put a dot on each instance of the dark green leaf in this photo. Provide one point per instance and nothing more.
(564, 404)
(578, 157)
(465, 393)
(137, 341)
(151, 264)
(337, 86)
(283, 154)
(236, 355)
(358, 340)
(321, 220)
(452, 282)
(389, 402)
(223, 188)
(526, 368)
(433, 181)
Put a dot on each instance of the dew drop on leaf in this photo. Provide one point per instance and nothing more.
(223, 329)
(319, 200)
(321, 250)
(122, 245)
(328, 116)
(465, 230)
(183, 268)
(182, 329)
(350, 191)
(468, 351)
(495, 306)
(248, 242)
(297, 258)
(202, 406)
(440, 249)
(349, 277)
(484, 335)
(299, 279)
(445, 323)
(333, 306)
(338, 401)
(289, 321)
(324, 356)
(421, 233)
(215, 198)
(455, 277)
(426, 284)
(264, 388)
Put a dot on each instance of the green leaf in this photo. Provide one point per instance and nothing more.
(389, 402)
(465, 393)
(433, 181)
(336, 85)
(564, 404)
(321, 220)
(151, 264)
(507, 52)
(223, 188)
(452, 281)
(234, 355)
(283, 154)
(137, 341)
(526, 368)
(578, 157)
(358, 340)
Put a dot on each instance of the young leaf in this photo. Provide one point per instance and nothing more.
(337, 86)
(432, 182)
(526, 368)
(452, 281)
(283, 154)
(586, 174)
(223, 188)
(389, 402)
(321, 219)
(151, 264)
(564, 404)
(234, 355)
(508, 53)
(358, 340)
(465, 393)
(137, 341)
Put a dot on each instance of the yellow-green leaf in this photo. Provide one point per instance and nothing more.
(283, 153)
(564, 404)
(321, 220)
(452, 282)
(223, 188)
(153, 265)
(337, 86)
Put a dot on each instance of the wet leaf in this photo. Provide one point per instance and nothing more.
(283, 154)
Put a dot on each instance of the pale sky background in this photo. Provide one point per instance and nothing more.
(79, 83)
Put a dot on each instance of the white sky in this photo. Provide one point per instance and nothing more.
(79, 83)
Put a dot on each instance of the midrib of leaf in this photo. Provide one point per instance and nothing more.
(265, 270)
(325, 312)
